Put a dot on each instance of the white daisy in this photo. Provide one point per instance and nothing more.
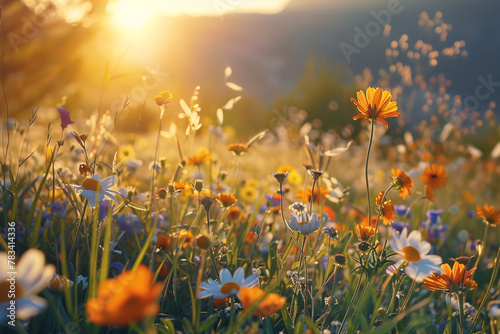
(413, 252)
(95, 190)
(229, 285)
(31, 278)
(304, 223)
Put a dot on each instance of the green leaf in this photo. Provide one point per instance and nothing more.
(286, 319)
(310, 325)
(341, 246)
(186, 325)
(272, 260)
(208, 323)
(169, 325)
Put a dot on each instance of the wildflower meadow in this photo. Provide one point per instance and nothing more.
(189, 219)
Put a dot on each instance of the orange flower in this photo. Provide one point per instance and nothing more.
(489, 214)
(387, 212)
(233, 213)
(237, 149)
(402, 182)
(180, 185)
(189, 241)
(434, 176)
(199, 158)
(226, 199)
(317, 192)
(451, 280)
(285, 168)
(375, 105)
(380, 195)
(364, 232)
(270, 304)
(130, 297)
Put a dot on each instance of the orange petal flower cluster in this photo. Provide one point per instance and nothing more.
(451, 280)
(489, 214)
(364, 232)
(402, 182)
(238, 149)
(270, 304)
(376, 105)
(434, 177)
(226, 199)
(199, 158)
(128, 298)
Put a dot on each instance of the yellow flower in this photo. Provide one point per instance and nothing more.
(248, 194)
(295, 178)
(272, 303)
(375, 105)
(162, 98)
(130, 297)
(125, 151)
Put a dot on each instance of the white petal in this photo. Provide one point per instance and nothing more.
(239, 276)
(3, 266)
(424, 247)
(225, 276)
(251, 281)
(44, 280)
(91, 197)
(338, 150)
(29, 307)
(109, 182)
(414, 238)
(30, 268)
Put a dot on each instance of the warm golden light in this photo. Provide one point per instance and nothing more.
(132, 14)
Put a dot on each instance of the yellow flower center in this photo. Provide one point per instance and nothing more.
(411, 254)
(228, 287)
(92, 184)
(303, 223)
(6, 289)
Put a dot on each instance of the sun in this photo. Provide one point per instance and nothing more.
(132, 14)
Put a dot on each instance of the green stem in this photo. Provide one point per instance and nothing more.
(354, 296)
(366, 173)
(483, 249)
(460, 298)
(488, 289)
(412, 287)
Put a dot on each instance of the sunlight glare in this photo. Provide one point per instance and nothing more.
(132, 14)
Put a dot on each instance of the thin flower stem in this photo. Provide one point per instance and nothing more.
(483, 249)
(284, 220)
(354, 296)
(411, 206)
(460, 298)
(412, 287)
(312, 197)
(493, 278)
(366, 173)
